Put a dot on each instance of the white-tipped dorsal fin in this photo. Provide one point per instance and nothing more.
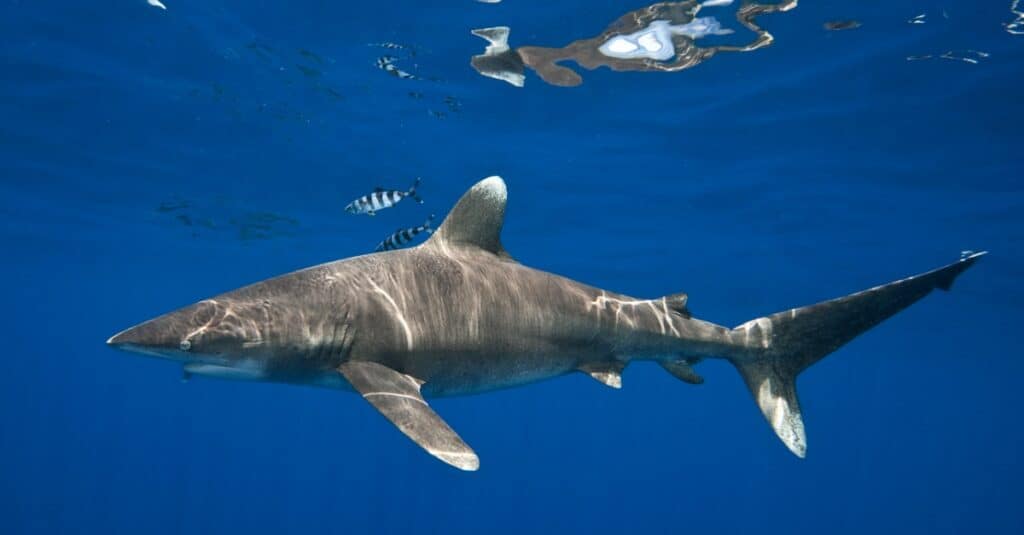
(476, 220)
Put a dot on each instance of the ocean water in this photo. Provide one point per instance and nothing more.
(150, 158)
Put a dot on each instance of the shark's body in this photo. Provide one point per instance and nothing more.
(515, 324)
(458, 315)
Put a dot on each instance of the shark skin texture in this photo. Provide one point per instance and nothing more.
(458, 315)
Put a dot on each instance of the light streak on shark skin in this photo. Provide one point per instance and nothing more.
(398, 315)
(626, 311)
(458, 315)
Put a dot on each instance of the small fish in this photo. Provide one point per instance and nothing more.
(170, 206)
(310, 55)
(971, 56)
(156, 3)
(404, 236)
(839, 25)
(333, 93)
(387, 64)
(380, 199)
(308, 72)
(395, 46)
(919, 19)
(453, 104)
(263, 51)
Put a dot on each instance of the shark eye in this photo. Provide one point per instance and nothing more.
(185, 345)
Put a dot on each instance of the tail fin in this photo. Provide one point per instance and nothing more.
(412, 191)
(428, 225)
(786, 343)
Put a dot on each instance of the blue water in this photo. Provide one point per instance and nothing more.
(152, 158)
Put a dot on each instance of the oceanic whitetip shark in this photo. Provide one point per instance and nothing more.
(458, 315)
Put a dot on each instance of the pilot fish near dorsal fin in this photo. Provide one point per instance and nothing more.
(476, 220)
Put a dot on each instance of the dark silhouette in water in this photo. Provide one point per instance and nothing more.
(660, 37)
(839, 25)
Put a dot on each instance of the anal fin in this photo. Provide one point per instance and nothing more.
(683, 370)
(397, 396)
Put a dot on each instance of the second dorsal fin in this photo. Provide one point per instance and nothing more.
(677, 302)
(476, 220)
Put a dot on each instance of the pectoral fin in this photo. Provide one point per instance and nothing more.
(397, 397)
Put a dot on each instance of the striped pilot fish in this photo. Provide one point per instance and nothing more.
(404, 236)
(395, 46)
(387, 64)
(380, 199)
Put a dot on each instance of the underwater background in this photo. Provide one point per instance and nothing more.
(153, 157)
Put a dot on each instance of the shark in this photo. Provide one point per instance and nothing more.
(459, 315)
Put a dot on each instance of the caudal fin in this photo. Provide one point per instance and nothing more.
(782, 345)
(412, 191)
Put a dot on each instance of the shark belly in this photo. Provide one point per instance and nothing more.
(475, 373)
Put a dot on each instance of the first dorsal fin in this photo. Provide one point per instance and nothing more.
(477, 218)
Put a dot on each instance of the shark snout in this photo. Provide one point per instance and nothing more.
(153, 334)
(169, 335)
(158, 337)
